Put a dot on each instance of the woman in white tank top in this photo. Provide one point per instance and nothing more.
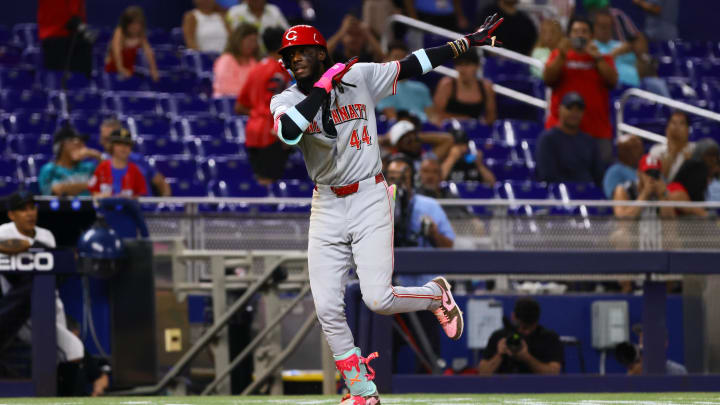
(205, 28)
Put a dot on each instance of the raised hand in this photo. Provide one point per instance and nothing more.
(483, 35)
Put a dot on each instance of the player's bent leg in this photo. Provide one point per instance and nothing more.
(389, 300)
(358, 376)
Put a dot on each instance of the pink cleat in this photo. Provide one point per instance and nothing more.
(449, 313)
(358, 400)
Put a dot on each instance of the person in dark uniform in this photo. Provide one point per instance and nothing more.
(525, 348)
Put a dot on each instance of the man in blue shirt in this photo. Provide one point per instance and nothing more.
(564, 153)
(412, 96)
(630, 150)
(622, 52)
(156, 184)
(74, 164)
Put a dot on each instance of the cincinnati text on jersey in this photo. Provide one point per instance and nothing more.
(341, 115)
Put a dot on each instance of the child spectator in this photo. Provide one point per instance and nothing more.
(117, 176)
(467, 96)
(267, 154)
(129, 36)
(231, 69)
(550, 36)
(204, 27)
(74, 163)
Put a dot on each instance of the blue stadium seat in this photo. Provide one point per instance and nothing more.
(705, 130)
(215, 146)
(158, 37)
(184, 104)
(206, 125)
(691, 49)
(525, 190)
(31, 57)
(115, 82)
(103, 35)
(10, 54)
(5, 34)
(496, 150)
(152, 124)
(141, 103)
(175, 81)
(177, 37)
(508, 170)
(200, 62)
(681, 89)
(165, 59)
(161, 145)
(26, 34)
(88, 123)
(580, 191)
(293, 189)
(52, 80)
(177, 166)
(18, 79)
(81, 101)
(295, 167)
(187, 188)
(29, 166)
(495, 68)
(706, 69)
(641, 111)
(8, 167)
(228, 168)
(30, 144)
(8, 185)
(32, 123)
(513, 132)
(24, 100)
(225, 107)
(238, 187)
(474, 129)
(667, 67)
(472, 189)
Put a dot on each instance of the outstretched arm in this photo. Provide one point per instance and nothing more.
(425, 60)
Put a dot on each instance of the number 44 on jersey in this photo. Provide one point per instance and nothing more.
(356, 141)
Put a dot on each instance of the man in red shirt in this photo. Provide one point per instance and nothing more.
(118, 176)
(64, 42)
(577, 65)
(267, 154)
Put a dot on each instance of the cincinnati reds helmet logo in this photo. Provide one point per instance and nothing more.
(291, 35)
(315, 38)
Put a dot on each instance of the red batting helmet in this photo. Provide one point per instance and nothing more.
(302, 35)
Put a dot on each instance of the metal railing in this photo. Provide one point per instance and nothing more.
(622, 127)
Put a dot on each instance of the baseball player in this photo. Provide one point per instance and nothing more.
(329, 115)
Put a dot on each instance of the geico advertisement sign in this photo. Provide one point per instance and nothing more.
(37, 261)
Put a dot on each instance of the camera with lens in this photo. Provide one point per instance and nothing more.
(77, 27)
(627, 353)
(404, 237)
(578, 43)
(514, 342)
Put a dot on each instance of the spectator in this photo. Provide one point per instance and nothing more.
(156, 183)
(17, 237)
(647, 67)
(465, 162)
(430, 186)
(411, 95)
(636, 367)
(72, 167)
(357, 40)
(578, 66)
(649, 186)
(565, 152)
(527, 347)
(267, 154)
(661, 18)
(692, 180)
(427, 224)
(54, 19)
(518, 32)
(118, 176)
(231, 69)
(405, 136)
(621, 52)
(678, 148)
(550, 36)
(445, 14)
(624, 28)
(375, 14)
(630, 150)
(258, 13)
(204, 27)
(129, 36)
(467, 96)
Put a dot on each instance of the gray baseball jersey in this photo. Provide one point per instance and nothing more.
(355, 154)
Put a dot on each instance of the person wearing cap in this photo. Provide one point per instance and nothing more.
(118, 176)
(629, 149)
(693, 178)
(565, 153)
(678, 148)
(16, 237)
(406, 138)
(649, 186)
(155, 182)
(74, 163)
(577, 66)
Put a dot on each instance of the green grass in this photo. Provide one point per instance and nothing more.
(418, 399)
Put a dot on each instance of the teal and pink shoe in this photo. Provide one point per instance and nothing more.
(358, 376)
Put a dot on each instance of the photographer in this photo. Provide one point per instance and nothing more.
(66, 42)
(630, 356)
(577, 65)
(419, 220)
(523, 347)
